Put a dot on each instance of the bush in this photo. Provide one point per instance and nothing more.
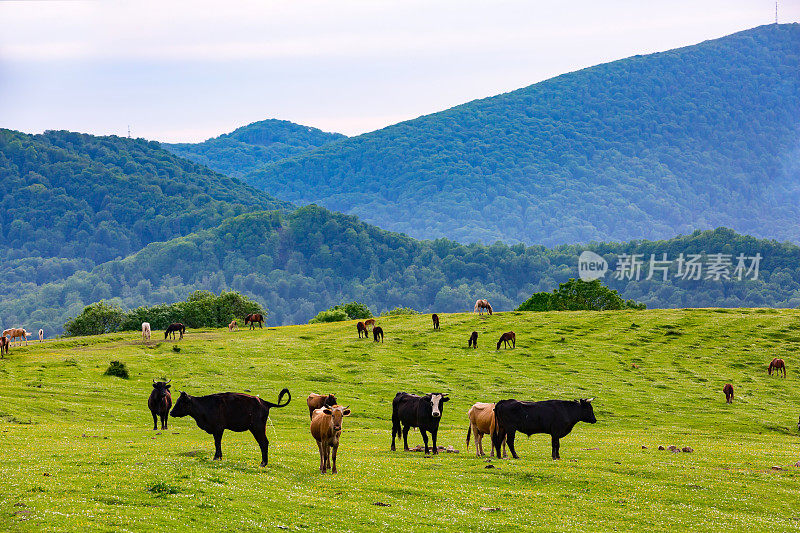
(95, 319)
(400, 311)
(330, 315)
(117, 369)
(578, 295)
(337, 313)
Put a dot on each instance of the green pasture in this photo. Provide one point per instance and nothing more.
(79, 453)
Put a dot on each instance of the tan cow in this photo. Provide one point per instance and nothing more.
(19, 333)
(317, 401)
(326, 428)
(481, 422)
(233, 326)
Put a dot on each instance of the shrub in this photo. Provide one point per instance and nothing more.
(337, 313)
(577, 295)
(330, 315)
(117, 369)
(400, 311)
(95, 319)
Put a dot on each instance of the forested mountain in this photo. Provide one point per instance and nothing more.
(297, 264)
(71, 201)
(645, 147)
(253, 146)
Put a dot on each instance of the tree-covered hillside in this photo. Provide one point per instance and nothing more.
(645, 147)
(71, 201)
(303, 262)
(253, 146)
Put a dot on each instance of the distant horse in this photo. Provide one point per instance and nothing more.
(362, 329)
(435, 318)
(252, 319)
(508, 337)
(177, 326)
(233, 326)
(369, 323)
(777, 365)
(41, 335)
(4, 342)
(473, 340)
(146, 331)
(17, 333)
(728, 390)
(480, 305)
(376, 332)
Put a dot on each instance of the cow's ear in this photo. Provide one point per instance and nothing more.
(168, 386)
(445, 399)
(327, 411)
(346, 412)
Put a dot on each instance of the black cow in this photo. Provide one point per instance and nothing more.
(473, 340)
(230, 410)
(174, 327)
(555, 417)
(435, 318)
(423, 412)
(377, 331)
(159, 402)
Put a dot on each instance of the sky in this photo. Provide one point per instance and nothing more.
(185, 71)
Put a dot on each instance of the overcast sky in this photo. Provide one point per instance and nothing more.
(186, 71)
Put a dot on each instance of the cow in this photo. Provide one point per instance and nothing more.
(17, 333)
(777, 365)
(316, 401)
(146, 331)
(555, 417)
(41, 335)
(435, 318)
(728, 390)
(473, 340)
(172, 328)
(423, 412)
(377, 331)
(160, 402)
(506, 338)
(326, 428)
(4, 342)
(481, 422)
(362, 329)
(369, 322)
(229, 410)
(253, 319)
(233, 326)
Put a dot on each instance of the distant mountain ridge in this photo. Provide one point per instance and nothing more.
(253, 146)
(645, 147)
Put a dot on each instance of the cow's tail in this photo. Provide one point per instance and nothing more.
(469, 432)
(283, 393)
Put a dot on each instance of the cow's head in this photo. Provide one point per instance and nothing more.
(337, 413)
(330, 401)
(161, 387)
(587, 413)
(437, 403)
(181, 407)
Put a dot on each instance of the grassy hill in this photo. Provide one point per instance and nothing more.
(297, 264)
(80, 452)
(647, 147)
(72, 201)
(253, 146)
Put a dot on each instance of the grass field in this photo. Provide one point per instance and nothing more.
(79, 452)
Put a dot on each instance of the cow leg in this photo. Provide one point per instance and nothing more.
(405, 437)
(510, 441)
(335, 451)
(435, 447)
(555, 445)
(155, 421)
(164, 420)
(259, 325)
(505, 454)
(218, 446)
(321, 459)
(424, 439)
(478, 442)
(260, 434)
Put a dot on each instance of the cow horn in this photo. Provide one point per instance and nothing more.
(589, 400)
(154, 381)
(169, 381)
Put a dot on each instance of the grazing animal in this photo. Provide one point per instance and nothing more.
(233, 326)
(473, 340)
(435, 318)
(506, 338)
(146, 331)
(317, 401)
(362, 329)
(160, 402)
(481, 305)
(777, 365)
(17, 333)
(172, 328)
(4, 342)
(555, 417)
(370, 322)
(728, 390)
(423, 412)
(326, 428)
(377, 331)
(481, 422)
(41, 335)
(230, 410)
(254, 318)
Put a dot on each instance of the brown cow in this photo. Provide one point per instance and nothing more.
(728, 390)
(377, 331)
(362, 329)
(506, 338)
(473, 340)
(481, 422)
(317, 401)
(4, 342)
(326, 428)
(777, 365)
(369, 322)
(435, 318)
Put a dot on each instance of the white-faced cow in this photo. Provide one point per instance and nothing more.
(423, 412)
(230, 410)
(160, 402)
(554, 417)
(326, 428)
